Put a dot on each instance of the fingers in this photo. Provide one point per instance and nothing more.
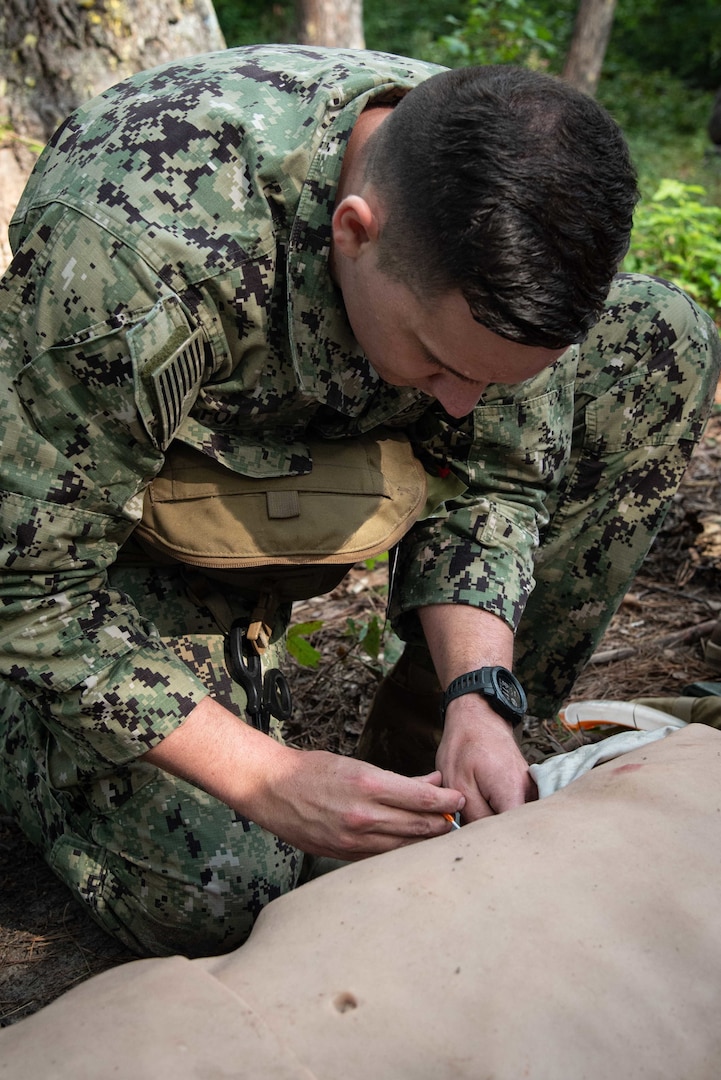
(330, 805)
(479, 756)
(421, 797)
(406, 806)
(435, 777)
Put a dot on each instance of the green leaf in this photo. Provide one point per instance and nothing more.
(298, 645)
(375, 560)
(676, 235)
(372, 638)
(392, 649)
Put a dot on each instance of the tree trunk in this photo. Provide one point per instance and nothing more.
(591, 32)
(714, 124)
(336, 23)
(55, 54)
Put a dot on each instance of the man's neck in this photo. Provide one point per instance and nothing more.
(351, 174)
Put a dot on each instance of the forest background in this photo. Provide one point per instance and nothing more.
(661, 72)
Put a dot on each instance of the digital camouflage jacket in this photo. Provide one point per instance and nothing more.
(170, 281)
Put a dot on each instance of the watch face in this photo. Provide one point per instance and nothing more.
(509, 689)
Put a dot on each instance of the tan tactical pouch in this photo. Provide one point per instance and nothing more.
(296, 536)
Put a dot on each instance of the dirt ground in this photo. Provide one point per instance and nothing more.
(654, 647)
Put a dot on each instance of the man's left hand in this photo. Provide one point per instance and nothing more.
(479, 756)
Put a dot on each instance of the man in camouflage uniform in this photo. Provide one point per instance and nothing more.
(219, 253)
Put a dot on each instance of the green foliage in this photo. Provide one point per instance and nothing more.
(680, 36)
(368, 634)
(656, 102)
(375, 561)
(665, 124)
(496, 32)
(677, 236)
(298, 645)
(254, 22)
(404, 27)
(377, 642)
(407, 27)
(373, 636)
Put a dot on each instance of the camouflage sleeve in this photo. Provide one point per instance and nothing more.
(478, 549)
(90, 344)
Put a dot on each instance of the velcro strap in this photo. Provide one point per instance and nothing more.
(282, 504)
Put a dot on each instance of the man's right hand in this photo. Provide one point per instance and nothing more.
(322, 803)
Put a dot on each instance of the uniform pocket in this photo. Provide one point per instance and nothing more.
(642, 409)
(525, 441)
(79, 395)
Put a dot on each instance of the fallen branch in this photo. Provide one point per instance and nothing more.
(679, 637)
(690, 634)
(609, 656)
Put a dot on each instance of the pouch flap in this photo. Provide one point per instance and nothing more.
(359, 499)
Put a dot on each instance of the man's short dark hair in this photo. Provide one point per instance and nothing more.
(511, 186)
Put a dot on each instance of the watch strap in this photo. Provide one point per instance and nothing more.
(483, 681)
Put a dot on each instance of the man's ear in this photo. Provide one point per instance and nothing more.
(355, 226)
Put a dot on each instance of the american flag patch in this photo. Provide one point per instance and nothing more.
(176, 383)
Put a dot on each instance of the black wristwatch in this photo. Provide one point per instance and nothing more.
(497, 685)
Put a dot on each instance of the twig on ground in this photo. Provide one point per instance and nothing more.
(679, 637)
(609, 656)
(689, 634)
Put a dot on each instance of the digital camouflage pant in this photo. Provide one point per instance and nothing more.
(160, 864)
(168, 869)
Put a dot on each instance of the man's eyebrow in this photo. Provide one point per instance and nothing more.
(446, 367)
